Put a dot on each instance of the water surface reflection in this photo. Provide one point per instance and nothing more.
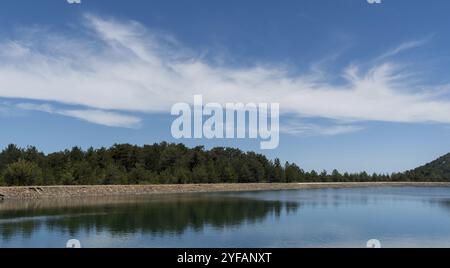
(398, 216)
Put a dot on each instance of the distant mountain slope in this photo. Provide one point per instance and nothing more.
(438, 170)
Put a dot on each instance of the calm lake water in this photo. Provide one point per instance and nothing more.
(398, 217)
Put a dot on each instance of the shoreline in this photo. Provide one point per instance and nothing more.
(57, 192)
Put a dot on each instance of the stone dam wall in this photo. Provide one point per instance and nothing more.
(40, 192)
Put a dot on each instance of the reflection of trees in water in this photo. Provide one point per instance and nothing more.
(443, 203)
(25, 228)
(437, 202)
(156, 217)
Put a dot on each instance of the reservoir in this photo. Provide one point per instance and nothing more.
(347, 217)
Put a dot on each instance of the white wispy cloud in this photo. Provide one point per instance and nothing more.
(123, 66)
(404, 47)
(296, 128)
(106, 118)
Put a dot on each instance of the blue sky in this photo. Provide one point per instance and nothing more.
(360, 86)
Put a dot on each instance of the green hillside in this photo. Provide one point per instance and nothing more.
(438, 170)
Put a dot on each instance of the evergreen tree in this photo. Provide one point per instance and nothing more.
(200, 174)
(9, 155)
(278, 173)
(23, 173)
(336, 176)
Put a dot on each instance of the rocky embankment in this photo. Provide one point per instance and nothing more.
(41, 192)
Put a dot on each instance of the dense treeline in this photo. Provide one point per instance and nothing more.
(159, 164)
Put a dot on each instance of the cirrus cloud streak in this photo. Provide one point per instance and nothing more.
(116, 66)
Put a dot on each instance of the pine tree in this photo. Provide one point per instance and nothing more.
(23, 173)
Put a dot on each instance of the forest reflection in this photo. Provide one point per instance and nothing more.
(159, 215)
